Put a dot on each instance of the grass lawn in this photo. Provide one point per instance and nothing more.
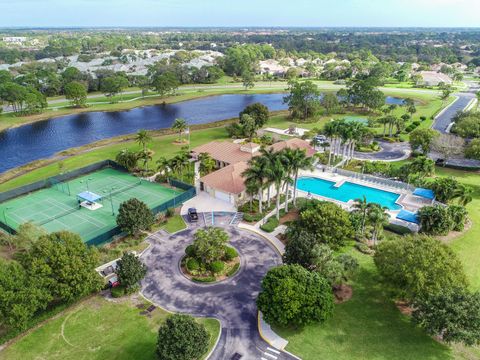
(97, 329)
(174, 224)
(162, 146)
(368, 326)
(467, 246)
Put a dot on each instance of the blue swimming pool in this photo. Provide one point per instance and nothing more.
(348, 191)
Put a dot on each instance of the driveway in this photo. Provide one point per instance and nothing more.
(231, 301)
(389, 152)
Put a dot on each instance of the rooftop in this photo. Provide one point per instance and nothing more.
(228, 179)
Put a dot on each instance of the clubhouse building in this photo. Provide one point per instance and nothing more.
(226, 182)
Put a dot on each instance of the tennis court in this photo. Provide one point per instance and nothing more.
(57, 207)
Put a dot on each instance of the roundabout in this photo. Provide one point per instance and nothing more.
(231, 301)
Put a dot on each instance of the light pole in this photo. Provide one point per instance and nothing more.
(86, 182)
(111, 199)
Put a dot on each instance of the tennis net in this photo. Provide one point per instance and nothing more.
(66, 212)
(126, 188)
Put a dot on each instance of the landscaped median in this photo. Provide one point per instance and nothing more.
(209, 259)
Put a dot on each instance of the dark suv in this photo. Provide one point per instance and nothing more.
(192, 215)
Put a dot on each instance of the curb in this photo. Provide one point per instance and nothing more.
(259, 320)
(171, 312)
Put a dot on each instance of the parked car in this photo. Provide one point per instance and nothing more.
(192, 215)
(440, 162)
(113, 281)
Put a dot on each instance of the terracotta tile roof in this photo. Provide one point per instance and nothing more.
(232, 153)
(294, 143)
(225, 151)
(228, 179)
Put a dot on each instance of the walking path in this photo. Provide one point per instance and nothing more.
(231, 301)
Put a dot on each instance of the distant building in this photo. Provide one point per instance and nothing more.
(14, 39)
(433, 78)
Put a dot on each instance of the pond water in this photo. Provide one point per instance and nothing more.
(43, 139)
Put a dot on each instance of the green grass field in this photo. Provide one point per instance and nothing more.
(56, 208)
(97, 329)
(368, 326)
(174, 224)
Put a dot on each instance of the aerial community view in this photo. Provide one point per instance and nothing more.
(261, 180)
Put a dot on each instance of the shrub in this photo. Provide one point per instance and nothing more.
(233, 270)
(190, 251)
(230, 253)
(423, 118)
(435, 220)
(192, 265)
(117, 291)
(270, 225)
(217, 266)
(419, 265)
(397, 229)
(170, 212)
(181, 337)
(416, 123)
(292, 295)
(363, 248)
(458, 214)
(207, 279)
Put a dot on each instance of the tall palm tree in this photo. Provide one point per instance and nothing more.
(180, 125)
(288, 164)
(299, 161)
(268, 155)
(278, 171)
(143, 137)
(251, 189)
(361, 206)
(377, 217)
(146, 156)
(255, 174)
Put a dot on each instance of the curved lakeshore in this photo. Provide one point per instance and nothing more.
(44, 139)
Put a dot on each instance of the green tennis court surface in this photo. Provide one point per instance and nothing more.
(57, 208)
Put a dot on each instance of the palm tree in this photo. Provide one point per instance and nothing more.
(180, 125)
(464, 194)
(143, 137)
(361, 206)
(207, 163)
(299, 161)
(377, 217)
(255, 174)
(278, 171)
(146, 156)
(163, 165)
(251, 189)
(268, 156)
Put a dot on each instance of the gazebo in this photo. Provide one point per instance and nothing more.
(89, 200)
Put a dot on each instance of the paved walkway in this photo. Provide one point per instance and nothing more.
(231, 301)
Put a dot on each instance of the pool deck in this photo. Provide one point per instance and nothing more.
(406, 200)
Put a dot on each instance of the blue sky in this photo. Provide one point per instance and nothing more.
(441, 13)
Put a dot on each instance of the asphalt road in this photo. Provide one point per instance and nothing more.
(231, 301)
(442, 121)
(389, 152)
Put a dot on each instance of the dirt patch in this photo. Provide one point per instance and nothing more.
(342, 293)
(290, 216)
(404, 307)
(452, 235)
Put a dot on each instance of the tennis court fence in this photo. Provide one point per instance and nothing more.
(189, 192)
